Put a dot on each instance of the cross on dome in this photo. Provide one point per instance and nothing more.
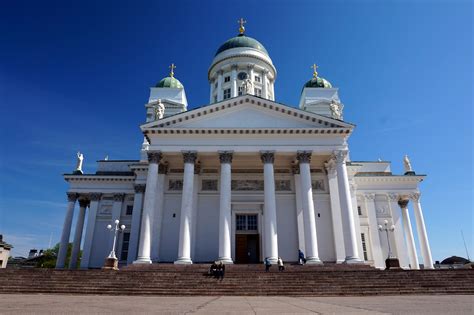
(172, 67)
(241, 22)
(315, 72)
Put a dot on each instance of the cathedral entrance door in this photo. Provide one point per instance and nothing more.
(247, 248)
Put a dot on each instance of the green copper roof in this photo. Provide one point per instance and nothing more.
(242, 41)
(170, 82)
(318, 82)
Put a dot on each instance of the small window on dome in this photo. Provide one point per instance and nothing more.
(258, 92)
(241, 90)
(215, 85)
(227, 79)
(257, 78)
(226, 94)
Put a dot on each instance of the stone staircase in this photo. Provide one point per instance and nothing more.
(182, 280)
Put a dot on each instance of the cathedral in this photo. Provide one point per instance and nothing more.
(242, 179)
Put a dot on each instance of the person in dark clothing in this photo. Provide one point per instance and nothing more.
(301, 258)
(268, 264)
(213, 270)
(221, 271)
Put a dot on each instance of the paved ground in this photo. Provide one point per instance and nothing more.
(74, 304)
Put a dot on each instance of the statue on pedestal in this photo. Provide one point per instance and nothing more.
(80, 159)
(407, 166)
(247, 86)
(159, 110)
(336, 109)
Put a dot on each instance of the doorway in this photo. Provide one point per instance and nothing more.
(247, 248)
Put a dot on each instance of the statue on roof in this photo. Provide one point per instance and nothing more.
(336, 109)
(407, 165)
(159, 110)
(80, 159)
(247, 86)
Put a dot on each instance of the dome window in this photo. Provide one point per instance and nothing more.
(226, 94)
(258, 79)
(227, 79)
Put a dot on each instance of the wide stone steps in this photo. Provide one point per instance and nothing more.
(168, 279)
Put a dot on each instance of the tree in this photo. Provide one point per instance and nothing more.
(48, 259)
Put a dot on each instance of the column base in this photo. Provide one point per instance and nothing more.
(225, 261)
(313, 261)
(142, 260)
(273, 260)
(340, 261)
(183, 261)
(353, 260)
(110, 264)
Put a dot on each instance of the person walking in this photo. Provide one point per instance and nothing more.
(268, 264)
(281, 267)
(301, 258)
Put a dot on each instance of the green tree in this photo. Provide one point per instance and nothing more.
(48, 260)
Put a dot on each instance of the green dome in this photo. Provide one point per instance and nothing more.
(318, 83)
(170, 82)
(242, 41)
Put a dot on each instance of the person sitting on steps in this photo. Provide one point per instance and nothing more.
(213, 269)
(281, 267)
(220, 271)
(301, 258)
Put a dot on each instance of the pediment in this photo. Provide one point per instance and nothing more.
(246, 112)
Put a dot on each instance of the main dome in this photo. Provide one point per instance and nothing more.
(242, 41)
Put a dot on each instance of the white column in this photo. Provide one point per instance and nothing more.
(220, 92)
(269, 210)
(144, 247)
(158, 213)
(272, 88)
(184, 249)
(373, 231)
(197, 170)
(135, 226)
(422, 235)
(264, 84)
(211, 97)
(225, 215)
(310, 235)
(335, 211)
(400, 245)
(299, 208)
(116, 213)
(403, 203)
(76, 245)
(63, 245)
(355, 215)
(251, 76)
(233, 79)
(350, 243)
(89, 234)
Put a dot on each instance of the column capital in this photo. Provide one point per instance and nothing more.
(154, 156)
(189, 156)
(220, 72)
(340, 156)
(234, 66)
(250, 66)
(415, 197)
(265, 72)
(267, 156)
(71, 196)
(197, 168)
(369, 196)
(139, 188)
(163, 168)
(304, 156)
(119, 197)
(403, 203)
(225, 156)
(330, 166)
(393, 197)
(95, 196)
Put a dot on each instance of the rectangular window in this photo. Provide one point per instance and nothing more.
(257, 78)
(241, 90)
(227, 79)
(258, 92)
(125, 242)
(215, 85)
(129, 210)
(226, 94)
(359, 210)
(246, 222)
(364, 245)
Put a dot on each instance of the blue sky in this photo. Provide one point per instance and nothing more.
(75, 76)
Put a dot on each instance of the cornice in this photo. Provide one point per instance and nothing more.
(92, 177)
(390, 178)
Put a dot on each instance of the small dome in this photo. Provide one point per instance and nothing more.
(318, 82)
(242, 41)
(170, 82)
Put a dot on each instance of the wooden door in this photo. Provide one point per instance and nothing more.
(241, 254)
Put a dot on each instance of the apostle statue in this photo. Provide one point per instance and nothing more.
(247, 86)
(336, 109)
(407, 165)
(159, 110)
(80, 159)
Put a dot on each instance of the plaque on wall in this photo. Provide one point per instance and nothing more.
(209, 185)
(175, 184)
(247, 185)
(318, 184)
(283, 185)
(105, 209)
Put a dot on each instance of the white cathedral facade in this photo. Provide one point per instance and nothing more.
(244, 178)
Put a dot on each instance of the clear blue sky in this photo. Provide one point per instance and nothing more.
(76, 75)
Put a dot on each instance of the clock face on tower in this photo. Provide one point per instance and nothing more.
(242, 75)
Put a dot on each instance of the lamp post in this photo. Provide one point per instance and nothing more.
(390, 262)
(111, 262)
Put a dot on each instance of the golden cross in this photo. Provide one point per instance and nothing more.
(172, 67)
(315, 72)
(241, 23)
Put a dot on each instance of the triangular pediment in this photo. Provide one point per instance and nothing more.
(248, 112)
